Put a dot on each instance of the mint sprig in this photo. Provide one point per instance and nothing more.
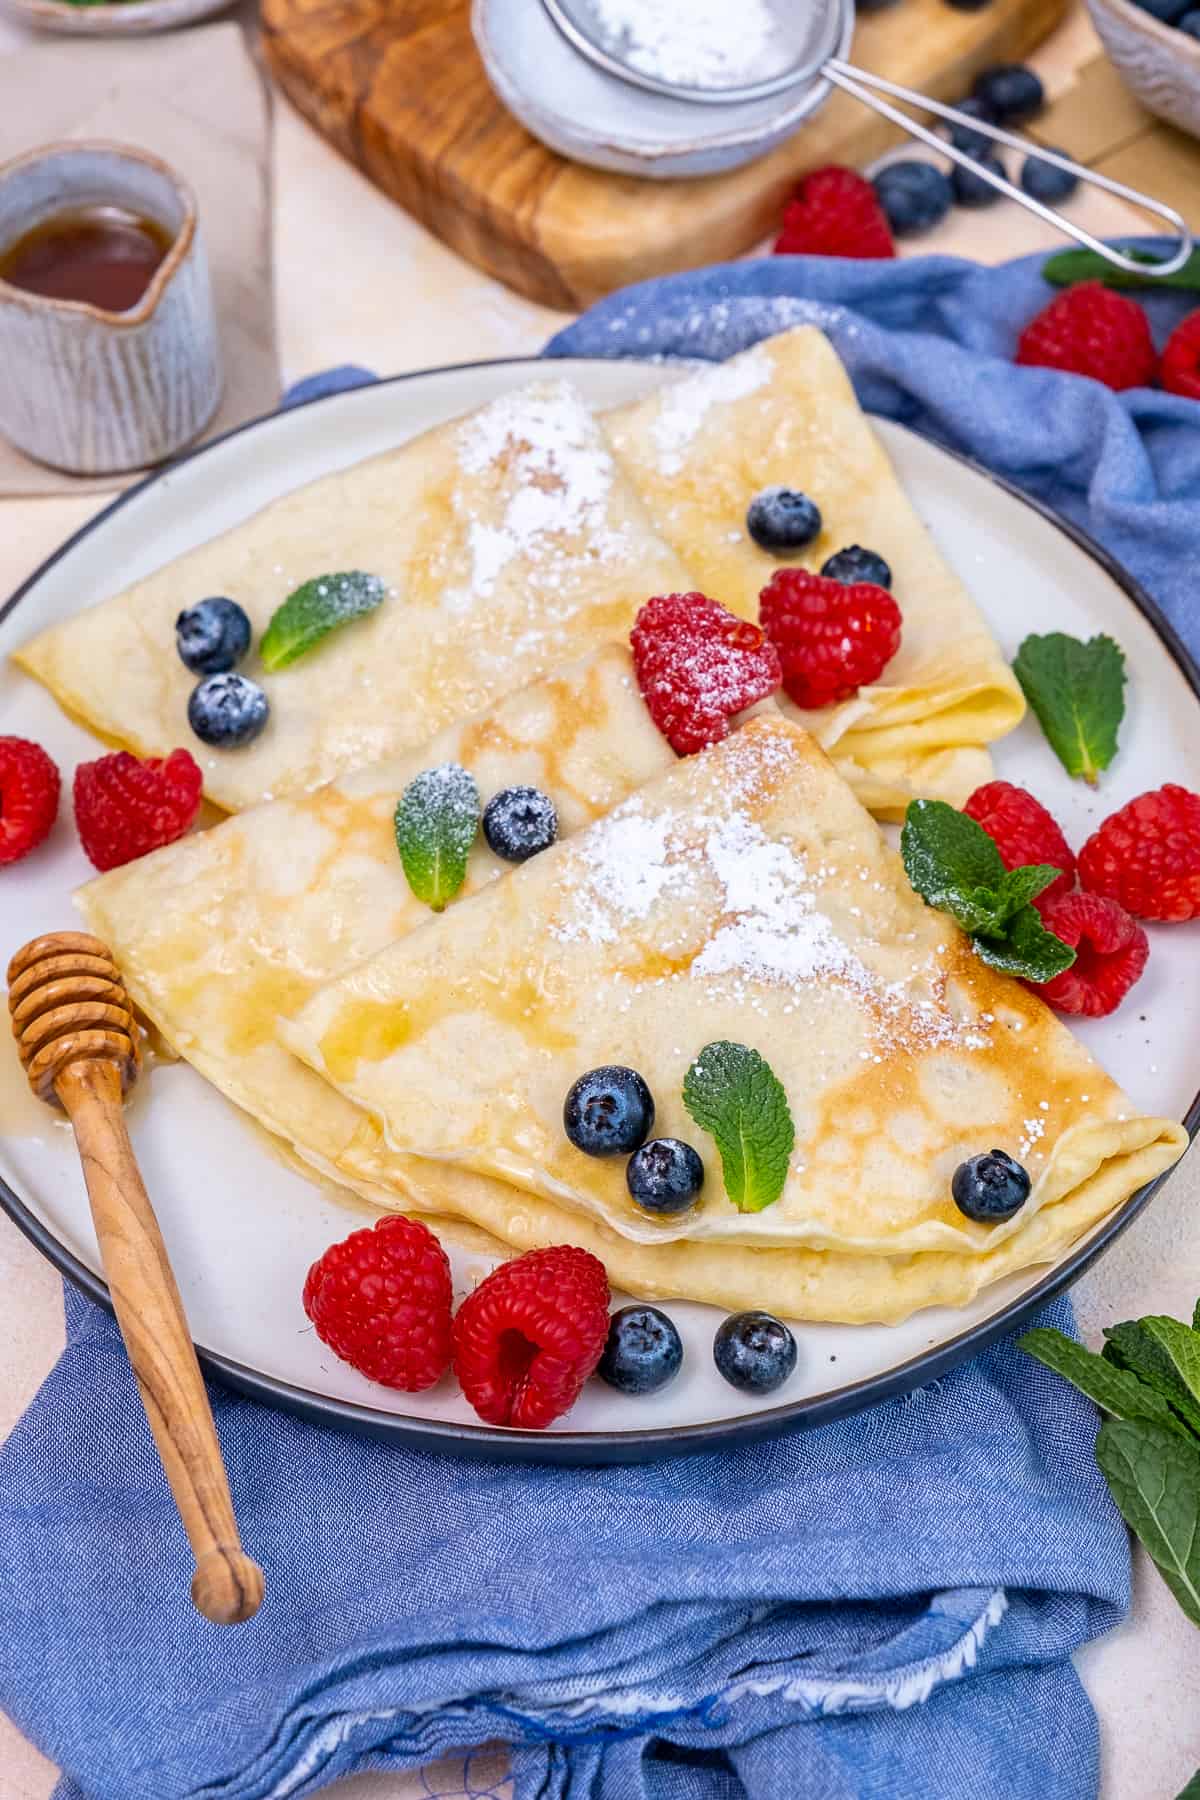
(954, 865)
(1077, 692)
(734, 1095)
(1148, 1382)
(315, 609)
(436, 822)
(1070, 266)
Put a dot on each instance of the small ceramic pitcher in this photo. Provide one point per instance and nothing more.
(97, 392)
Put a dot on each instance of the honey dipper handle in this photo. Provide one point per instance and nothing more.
(228, 1585)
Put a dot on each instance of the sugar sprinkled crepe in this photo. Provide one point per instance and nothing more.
(226, 929)
(744, 894)
(509, 543)
(785, 413)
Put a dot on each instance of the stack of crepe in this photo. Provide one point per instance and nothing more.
(744, 893)
(517, 539)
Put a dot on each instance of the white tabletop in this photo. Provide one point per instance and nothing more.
(359, 281)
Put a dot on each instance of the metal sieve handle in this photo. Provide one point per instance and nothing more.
(868, 88)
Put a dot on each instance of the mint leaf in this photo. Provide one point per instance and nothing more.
(1132, 1346)
(1181, 1345)
(436, 822)
(1070, 266)
(1155, 1480)
(948, 856)
(1027, 949)
(954, 865)
(1117, 1390)
(992, 910)
(1196, 1317)
(1022, 885)
(1077, 691)
(1192, 1790)
(313, 610)
(738, 1099)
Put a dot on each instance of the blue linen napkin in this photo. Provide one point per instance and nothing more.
(876, 1609)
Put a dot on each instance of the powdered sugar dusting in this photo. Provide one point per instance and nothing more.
(561, 475)
(775, 933)
(757, 898)
(698, 43)
(627, 869)
(684, 407)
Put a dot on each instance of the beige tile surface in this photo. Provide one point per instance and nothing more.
(359, 281)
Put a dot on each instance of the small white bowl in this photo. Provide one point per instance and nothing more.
(595, 118)
(123, 18)
(1160, 65)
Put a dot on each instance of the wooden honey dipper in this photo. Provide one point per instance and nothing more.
(78, 1042)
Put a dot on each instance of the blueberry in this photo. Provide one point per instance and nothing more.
(227, 710)
(968, 5)
(971, 189)
(914, 195)
(872, 6)
(608, 1112)
(782, 519)
(754, 1352)
(990, 1187)
(643, 1351)
(212, 635)
(664, 1176)
(1190, 22)
(1012, 91)
(974, 143)
(1042, 181)
(518, 822)
(856, 564)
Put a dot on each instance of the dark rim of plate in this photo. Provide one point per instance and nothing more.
(583, 1447)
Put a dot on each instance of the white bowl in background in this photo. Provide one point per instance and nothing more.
(1160, 66)
(119, 18)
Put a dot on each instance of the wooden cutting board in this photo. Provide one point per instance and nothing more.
(397, 86)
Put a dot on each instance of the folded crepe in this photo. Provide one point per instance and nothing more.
(784, 413)
(509, 544)
(220, 933)
(745, 895)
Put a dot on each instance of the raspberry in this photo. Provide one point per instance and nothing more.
(1180, 371)
(124, 807)
(530, 1335)
(1147, 856)
(1090, 330)
(832, 638)
(29, 789)
(834, 212)
(697, 665)
(1110, 954)
(1023, 832)
(382, 1301)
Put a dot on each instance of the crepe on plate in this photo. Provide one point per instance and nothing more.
(509, 542)
(784, 413)
(219, 933)
(744, 894)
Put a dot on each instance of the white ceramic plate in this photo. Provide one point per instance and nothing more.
(242, 1229)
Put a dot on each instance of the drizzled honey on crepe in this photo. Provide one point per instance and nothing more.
(222, 932)
(784, 413)
(744, 894)
(509, 544)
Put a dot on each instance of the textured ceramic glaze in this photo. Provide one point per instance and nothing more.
(123, 18)
(92, 391)
(1160, 65)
